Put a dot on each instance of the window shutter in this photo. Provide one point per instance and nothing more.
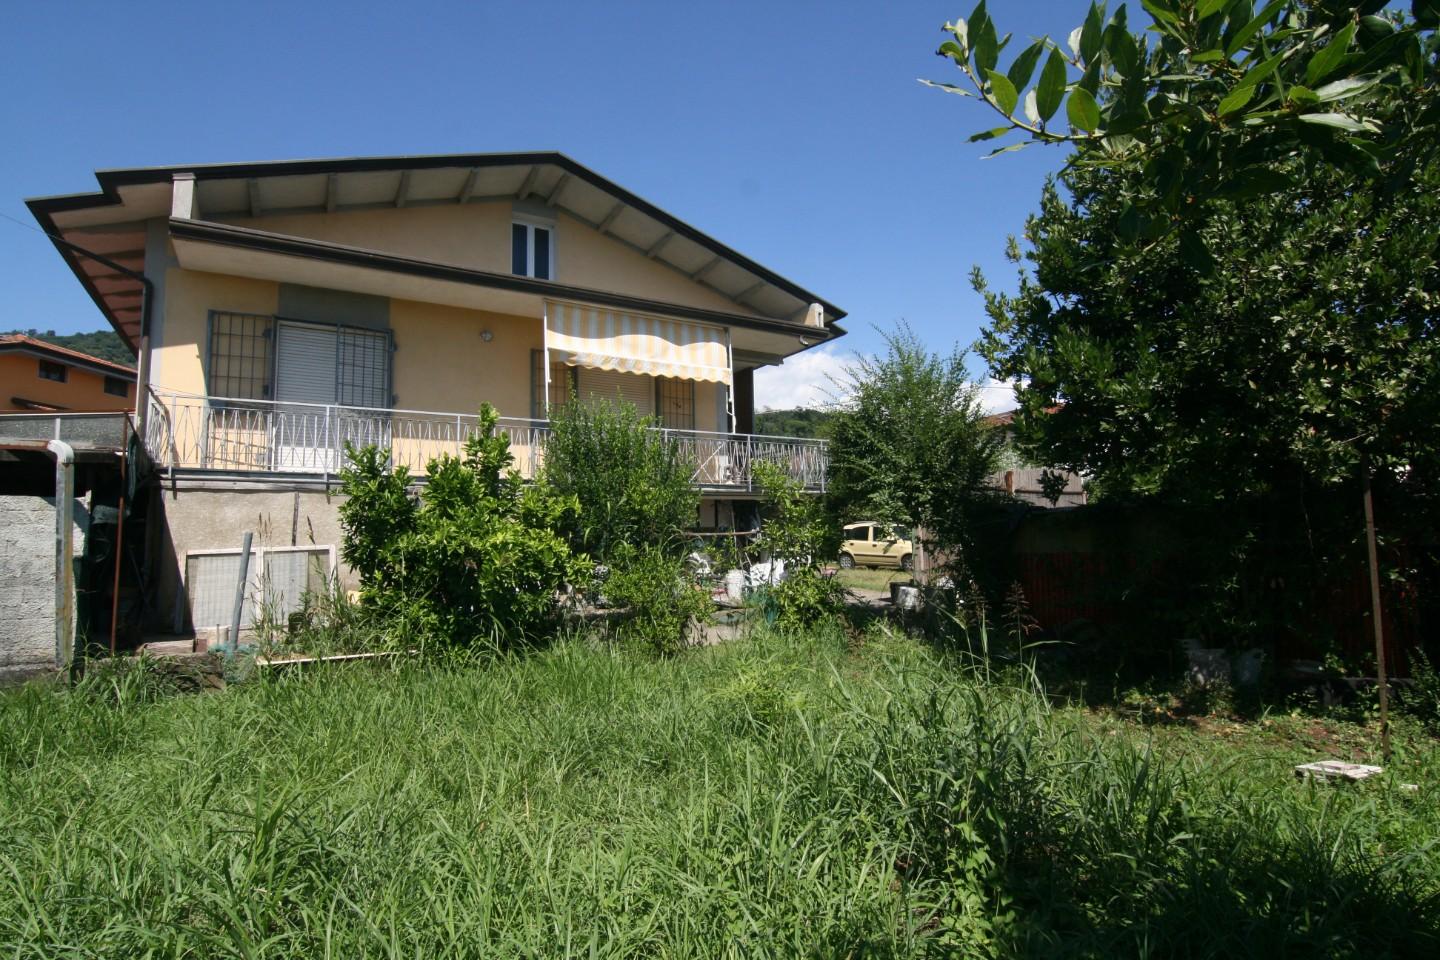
(305, 364)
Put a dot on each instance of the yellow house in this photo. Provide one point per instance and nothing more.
(40, 376)
(281, 309)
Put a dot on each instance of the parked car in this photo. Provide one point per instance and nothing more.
(873, 544)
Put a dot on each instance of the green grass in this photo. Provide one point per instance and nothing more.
(867, 579)
(773, 797)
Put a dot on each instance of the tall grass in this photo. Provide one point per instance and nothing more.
(781, 796)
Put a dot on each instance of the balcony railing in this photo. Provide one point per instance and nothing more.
(187, 433)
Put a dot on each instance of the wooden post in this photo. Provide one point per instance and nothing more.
(1375, 613)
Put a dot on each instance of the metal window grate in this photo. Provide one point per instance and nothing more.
(564, 383)
(275, 584)
(675, 403)
(240, 355)
(362, 371)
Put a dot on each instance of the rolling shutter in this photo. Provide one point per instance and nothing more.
(612, 385)
(305, 364)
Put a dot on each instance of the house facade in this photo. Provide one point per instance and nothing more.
(281, 310)
(40, 376)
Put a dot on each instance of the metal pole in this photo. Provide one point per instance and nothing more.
(119, 539)
(64, 553)
(1375, 613)
(240, 593)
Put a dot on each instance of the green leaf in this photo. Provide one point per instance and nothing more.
(1003, 92)
(1162, 13)
(1091, 34)
(1254, 182)
(1302, 95)
(1339, 121)
(1194, 253)
(1208, 56)
(1023, 68)
(989, 134)
(1426, 13)
(948, 88)
(1082, 110)
(1245, 33)
(1032, 112)
(1124, 53)
(1051, 89)
(1234, 100)
(1328, 58)
(1206, 8)
(987, 46)
(1010, 149)
(952, 50)
(1341, 89)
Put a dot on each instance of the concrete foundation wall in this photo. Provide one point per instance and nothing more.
(27, 583)
(217, 517)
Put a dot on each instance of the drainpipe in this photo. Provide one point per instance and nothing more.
(64, 553)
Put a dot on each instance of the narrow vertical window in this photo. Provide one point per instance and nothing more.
(519, 249)
(531, 251)
(541, 262)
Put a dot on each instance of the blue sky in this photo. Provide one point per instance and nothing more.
(795, 132)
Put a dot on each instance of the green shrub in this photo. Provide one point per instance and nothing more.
(793, 529)
(633, 483)
(664, 602)
(475, 558)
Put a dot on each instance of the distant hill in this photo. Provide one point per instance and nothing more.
(105, 344)
(802, 422)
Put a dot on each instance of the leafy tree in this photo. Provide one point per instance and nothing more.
(105, 344)
(910, 442)
(800, 422)
(794, 529)
(475, 558)
(633, 483)
(1206, 106)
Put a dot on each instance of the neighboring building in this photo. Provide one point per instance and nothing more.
(43, 377)
(1024, 480)
(295, 306)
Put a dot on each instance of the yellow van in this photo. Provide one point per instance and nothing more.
(873, 544)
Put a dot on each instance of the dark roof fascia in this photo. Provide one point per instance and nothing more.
(111, 180)
(40, 210)
(70, 359)
(243, 237)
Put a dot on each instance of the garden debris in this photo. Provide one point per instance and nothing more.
(1337, 770)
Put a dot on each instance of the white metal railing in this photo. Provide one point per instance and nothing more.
(195, 433)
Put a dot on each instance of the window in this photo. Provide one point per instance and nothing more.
(117, 387)
(254, 357)
(50, 370)
(532, 251)
(675, 403)
(240, 355)
(564, 383)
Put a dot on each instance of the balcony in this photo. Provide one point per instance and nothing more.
(190, 435)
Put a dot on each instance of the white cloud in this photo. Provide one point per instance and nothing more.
(809, 379)
(804, 380)
(997, 396)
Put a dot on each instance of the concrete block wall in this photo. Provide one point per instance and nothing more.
(217, 517)
(27, 583)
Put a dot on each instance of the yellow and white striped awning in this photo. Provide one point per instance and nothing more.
(604, 339)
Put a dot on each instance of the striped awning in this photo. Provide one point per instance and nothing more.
(602, 339)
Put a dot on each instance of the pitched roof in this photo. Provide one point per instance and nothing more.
(111, 221)
(20, 343)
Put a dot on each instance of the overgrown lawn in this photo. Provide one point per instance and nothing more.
(777, 796)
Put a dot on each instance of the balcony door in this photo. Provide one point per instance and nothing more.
(322, 374)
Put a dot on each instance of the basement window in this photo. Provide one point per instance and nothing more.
(50, 370)
(532, 250)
